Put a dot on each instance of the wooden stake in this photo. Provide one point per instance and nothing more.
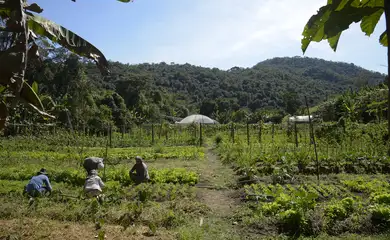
(152, 134)
(110, 135)
(247, 133)
(200, 134)
(273, 132)
(232, 132)
(260, 126)
(314, 141)
(296, 134)
(106, 161)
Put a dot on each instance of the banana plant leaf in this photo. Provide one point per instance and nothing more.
(29, 95)
(67, 39)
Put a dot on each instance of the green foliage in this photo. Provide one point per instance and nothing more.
(176, 175)
(13, 57)
(292, 222)
(67, 39)
(335, 17)
(382, 199)
(341, 210)
(149, 92)
(367, 105)
(218, 140)
(380, 215)
(362, 185)
(77, 176)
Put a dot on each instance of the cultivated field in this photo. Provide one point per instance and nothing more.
(254, 182)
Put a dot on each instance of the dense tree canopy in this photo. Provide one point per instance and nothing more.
(150, 92)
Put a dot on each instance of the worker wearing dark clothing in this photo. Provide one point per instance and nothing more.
(39, 184)
(141, 171)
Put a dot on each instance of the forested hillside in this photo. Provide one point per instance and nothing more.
(148, 92)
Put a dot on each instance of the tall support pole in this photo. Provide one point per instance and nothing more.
(200, 135)
(296, 134)
(314, 141)
(387, 15)
(247, 133)
(152, 134)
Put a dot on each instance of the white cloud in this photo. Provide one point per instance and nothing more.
(219, 31)
(227, 33)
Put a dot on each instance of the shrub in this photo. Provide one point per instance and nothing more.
(336, 212)
(218, 139)
(380, 215)
(382, 199)
(270, 208)
(341, 210)
(292, 222)
(348, 204)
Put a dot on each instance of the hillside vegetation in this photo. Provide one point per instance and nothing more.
(148, 92)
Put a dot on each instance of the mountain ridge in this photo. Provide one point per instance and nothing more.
(150, 91)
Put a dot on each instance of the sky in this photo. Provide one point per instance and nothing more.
(209, 33)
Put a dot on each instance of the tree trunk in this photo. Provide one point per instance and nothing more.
(387, 15)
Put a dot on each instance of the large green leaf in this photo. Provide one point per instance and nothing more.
(67, 39)
(341, 20)
(337, 16)
(30, 96)
(373, 3)
(34, 87)
(314, 29)
(34, 8)
(369, 23)
(333, 41)
(344, 3)
(31, 99)
(383, 39)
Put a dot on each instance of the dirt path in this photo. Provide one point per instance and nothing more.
(215, 186)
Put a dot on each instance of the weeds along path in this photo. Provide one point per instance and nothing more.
(32, 228)
(215, 186)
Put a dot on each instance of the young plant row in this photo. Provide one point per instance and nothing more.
(135, 138)
(121, 175)
(72, 154)
(302, 161)
(351, 164)
(311, 210)
(320, 192)
(114, 192)
(159, 205)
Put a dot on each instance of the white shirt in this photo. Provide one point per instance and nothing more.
(93, 183)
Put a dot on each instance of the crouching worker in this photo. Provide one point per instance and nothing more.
(141, 171)
(93, 183)
(39, 185)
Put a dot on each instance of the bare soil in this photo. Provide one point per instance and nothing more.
(214, 186)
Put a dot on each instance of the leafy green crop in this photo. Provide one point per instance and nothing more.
(121, 175)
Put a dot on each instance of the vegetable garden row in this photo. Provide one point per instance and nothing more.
(275, 167)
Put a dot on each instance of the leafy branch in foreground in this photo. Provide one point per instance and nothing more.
(19, 31)
(337, 15)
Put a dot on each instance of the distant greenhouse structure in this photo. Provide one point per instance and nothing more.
(300, 119)
(197, 118)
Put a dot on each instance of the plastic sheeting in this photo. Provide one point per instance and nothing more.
(300, 119)
(197, 118)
